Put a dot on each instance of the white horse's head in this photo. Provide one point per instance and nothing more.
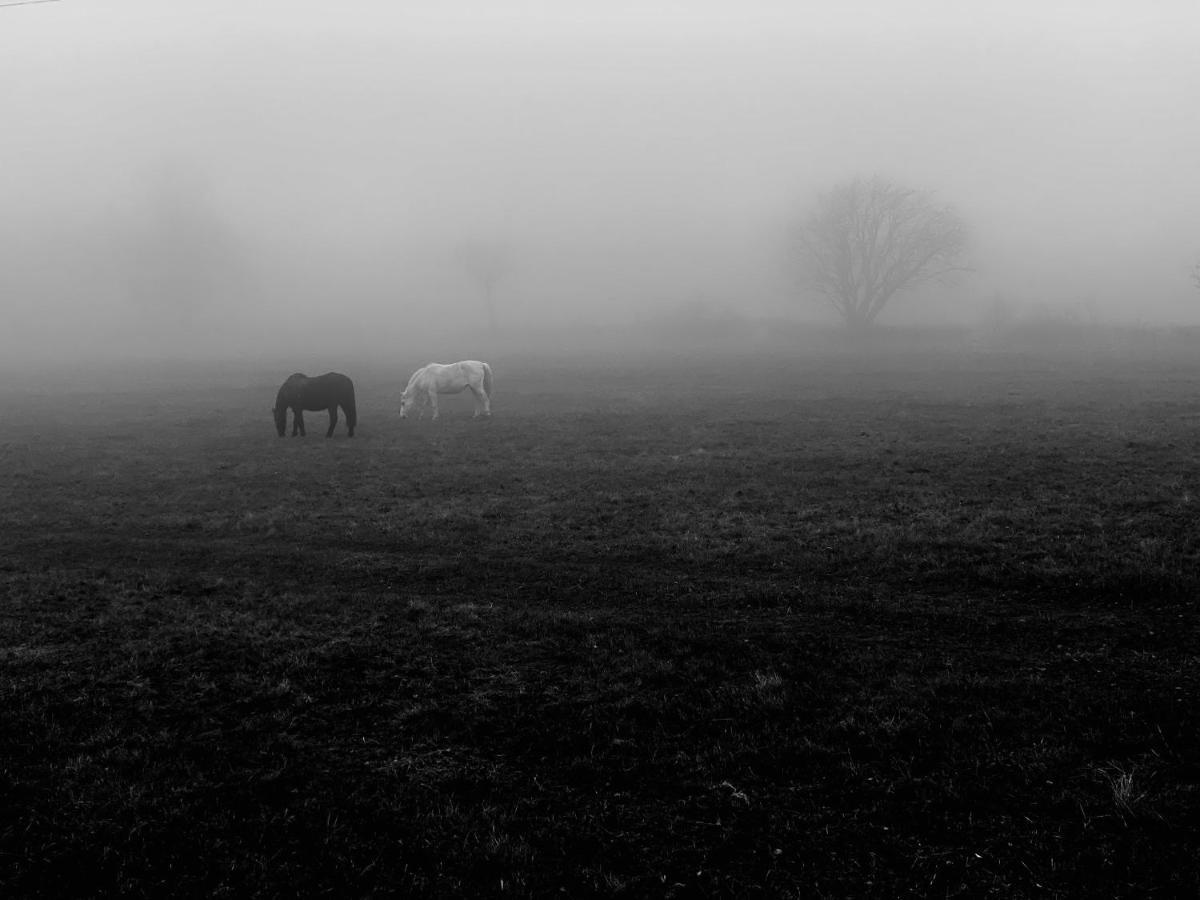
(407, 401)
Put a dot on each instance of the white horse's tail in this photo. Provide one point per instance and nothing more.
(487, 380)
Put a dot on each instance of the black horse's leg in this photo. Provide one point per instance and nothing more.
(298, 426)
(332, 420)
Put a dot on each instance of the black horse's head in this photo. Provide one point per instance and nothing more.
(280, 413)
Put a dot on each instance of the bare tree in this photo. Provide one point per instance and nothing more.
(869, 240)
(488, 263)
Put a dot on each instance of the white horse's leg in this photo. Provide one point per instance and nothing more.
(480, 399)
(433, 403)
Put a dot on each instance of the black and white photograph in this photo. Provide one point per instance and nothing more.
(633, 449)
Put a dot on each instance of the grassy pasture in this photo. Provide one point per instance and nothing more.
(733, 627)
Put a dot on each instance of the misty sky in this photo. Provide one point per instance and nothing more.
(210, 168)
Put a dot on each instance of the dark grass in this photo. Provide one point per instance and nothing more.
(925, 627)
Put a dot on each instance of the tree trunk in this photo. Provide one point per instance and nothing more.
(490, 301)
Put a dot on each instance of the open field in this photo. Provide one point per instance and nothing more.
(733, 627)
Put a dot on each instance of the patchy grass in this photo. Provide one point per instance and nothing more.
(776, 628)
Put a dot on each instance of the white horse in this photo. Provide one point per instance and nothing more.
(429, 381)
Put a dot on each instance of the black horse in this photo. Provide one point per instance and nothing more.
(327, 391)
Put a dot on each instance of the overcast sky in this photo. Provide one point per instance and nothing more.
(632, 155)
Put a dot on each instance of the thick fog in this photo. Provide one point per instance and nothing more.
(227, 178)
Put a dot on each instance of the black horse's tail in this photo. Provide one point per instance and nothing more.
(349, 408)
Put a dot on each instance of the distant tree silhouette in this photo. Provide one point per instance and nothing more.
(869, 239)
(188, 261)
(487, 263)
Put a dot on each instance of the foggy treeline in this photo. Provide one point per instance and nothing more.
(223, 178)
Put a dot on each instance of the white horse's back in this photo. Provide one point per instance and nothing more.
(449, 378)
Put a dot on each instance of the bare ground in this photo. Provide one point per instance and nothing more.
(736, 627)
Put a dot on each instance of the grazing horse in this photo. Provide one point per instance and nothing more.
(427, 382)
(327, 391)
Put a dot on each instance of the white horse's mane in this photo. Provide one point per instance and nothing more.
(413, 380)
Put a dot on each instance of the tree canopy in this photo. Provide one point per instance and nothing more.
(869, 239)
